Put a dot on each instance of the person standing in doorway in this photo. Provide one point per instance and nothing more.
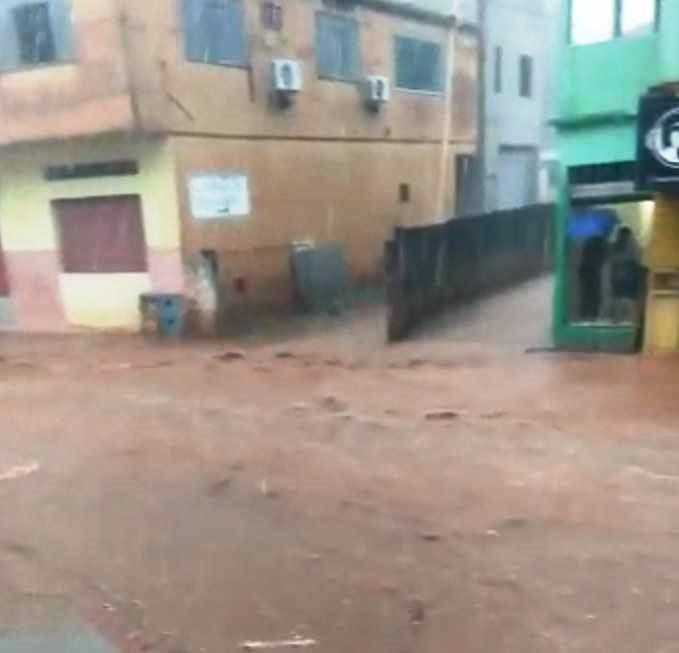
(626, 276)
(590, 275)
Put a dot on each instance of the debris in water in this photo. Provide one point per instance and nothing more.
(441, 415)
(416, 611)
(284, 354)
(297, 642)
(496, 414)
(334, 404)
(431, 536)
(219, 487)
(19, 471)
(229, 356)
(267, 491)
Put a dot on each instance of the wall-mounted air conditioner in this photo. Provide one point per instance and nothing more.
(377, 91)
(286, 76)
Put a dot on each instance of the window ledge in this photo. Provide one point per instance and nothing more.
(345, 80)
(239, 65)
(417, 91)
(593, 119)
(19, 70)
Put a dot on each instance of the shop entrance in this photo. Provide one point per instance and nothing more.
(605, 267)
(605, 225)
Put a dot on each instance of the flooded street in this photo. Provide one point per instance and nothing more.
(443, 494)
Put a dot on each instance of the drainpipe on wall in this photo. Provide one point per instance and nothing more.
(124, 23)
(481, 106)
(444, 163)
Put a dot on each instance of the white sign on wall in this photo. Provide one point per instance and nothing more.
(219, 195)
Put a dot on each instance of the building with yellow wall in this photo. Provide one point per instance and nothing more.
(126, 126)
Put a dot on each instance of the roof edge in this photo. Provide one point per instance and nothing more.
(412, 11)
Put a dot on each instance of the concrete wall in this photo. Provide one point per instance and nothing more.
(88, 95)
(310, 190)
(42, 297)
(129, 72)
(325, 169)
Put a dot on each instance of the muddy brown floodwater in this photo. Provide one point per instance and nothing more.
(436, 496)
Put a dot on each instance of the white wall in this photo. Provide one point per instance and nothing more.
(513, 125)
(519, 27)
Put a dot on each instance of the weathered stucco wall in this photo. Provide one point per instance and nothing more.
(318, 190)
(88, 95)
(323, 191)
(176, 95)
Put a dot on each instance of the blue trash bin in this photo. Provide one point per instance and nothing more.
(166, 310)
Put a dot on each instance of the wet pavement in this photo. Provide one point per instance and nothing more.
(449, 493)
(69, 637)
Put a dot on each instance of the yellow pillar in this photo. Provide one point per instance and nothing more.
(662, 260)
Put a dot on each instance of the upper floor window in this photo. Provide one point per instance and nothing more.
(525, 76)
(34, 33)
(214, 32)
(418, 64)
(271, 15)
(594, 22)
(337, 47)
(638, 16)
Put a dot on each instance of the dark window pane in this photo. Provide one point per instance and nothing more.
(34, 34)
(101, 235)
(214, 31)
(272, 16)
(418, 64)
(90, 170)
(337, 48)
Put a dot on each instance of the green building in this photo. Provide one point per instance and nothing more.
(617, 119)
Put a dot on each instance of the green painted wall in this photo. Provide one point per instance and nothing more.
(600, 84)
(612, 141)
(607, 78)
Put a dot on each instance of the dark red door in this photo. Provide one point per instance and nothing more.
(101, 235)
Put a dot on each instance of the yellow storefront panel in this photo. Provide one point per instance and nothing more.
(25, 196)
(103, 301)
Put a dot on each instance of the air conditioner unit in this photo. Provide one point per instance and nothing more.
(286, 76)
(377, 90)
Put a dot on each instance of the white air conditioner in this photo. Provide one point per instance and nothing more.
(286, 76)
(377, 90)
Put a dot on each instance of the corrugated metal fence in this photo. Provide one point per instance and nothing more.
(431, 267)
